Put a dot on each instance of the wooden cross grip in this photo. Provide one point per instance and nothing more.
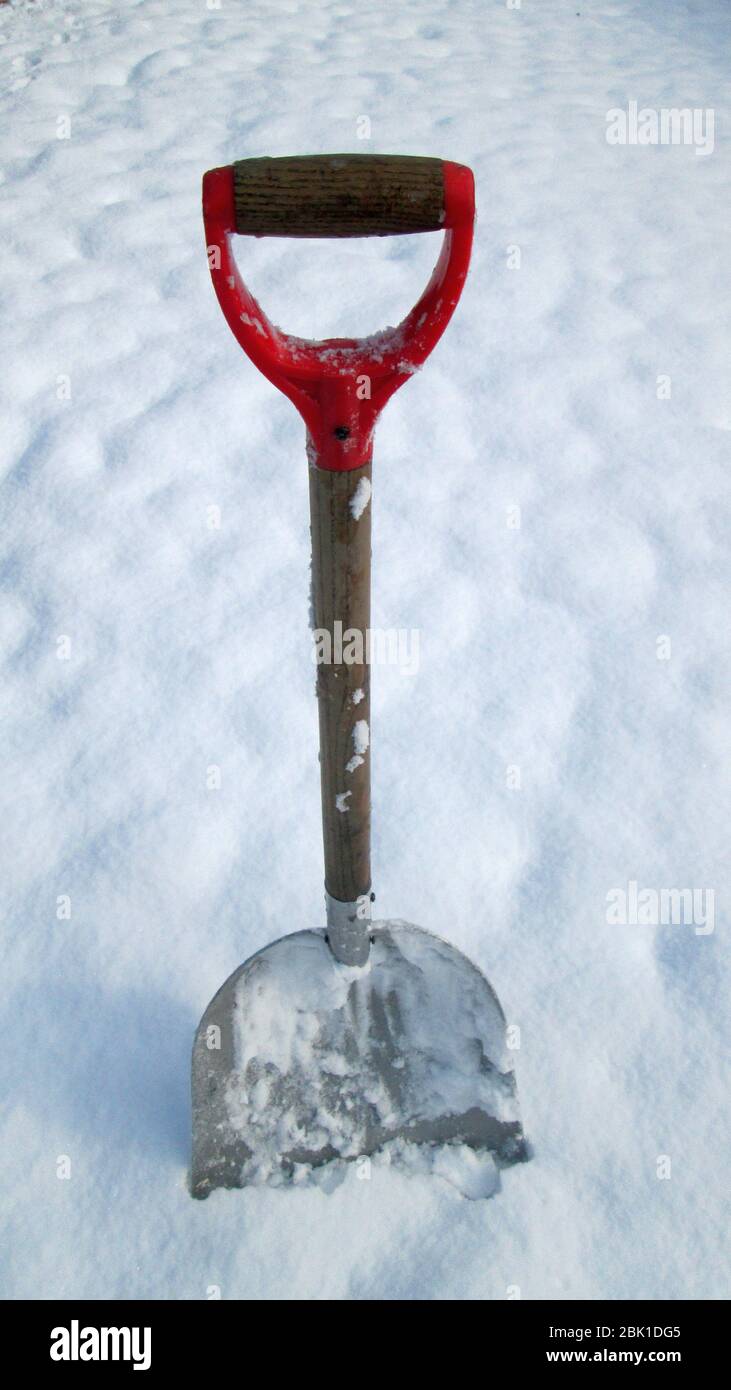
(339, 195)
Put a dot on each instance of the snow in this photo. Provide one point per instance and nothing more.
(361, 735)
(361, 739)
(360, 499)
(550, 514)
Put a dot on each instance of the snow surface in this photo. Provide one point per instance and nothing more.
(542, 515)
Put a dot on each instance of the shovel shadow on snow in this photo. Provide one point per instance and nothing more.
(113, 1066)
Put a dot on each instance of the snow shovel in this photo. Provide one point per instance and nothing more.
(331, 1043)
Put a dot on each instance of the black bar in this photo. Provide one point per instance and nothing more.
(215, 1337)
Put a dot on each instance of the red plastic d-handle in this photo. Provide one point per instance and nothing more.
(340, 385)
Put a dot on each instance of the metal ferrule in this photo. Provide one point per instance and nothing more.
(348, 929)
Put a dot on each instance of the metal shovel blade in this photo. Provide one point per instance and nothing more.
(299, 1059)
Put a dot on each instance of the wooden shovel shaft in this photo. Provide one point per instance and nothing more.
(340, 517)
